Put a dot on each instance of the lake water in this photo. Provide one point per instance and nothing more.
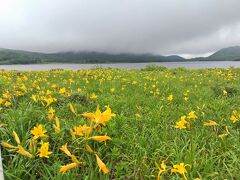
(189, 65)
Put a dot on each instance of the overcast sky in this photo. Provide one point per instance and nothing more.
(185, 27)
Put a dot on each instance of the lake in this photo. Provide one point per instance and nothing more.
(188, 65)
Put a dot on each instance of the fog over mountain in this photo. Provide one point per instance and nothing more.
(162, 27)
(9, 56)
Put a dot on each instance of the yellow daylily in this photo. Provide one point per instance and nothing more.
(93, 96)
(7, 145)
(16, 138)
(192, 115)
(180, 168)
(101, 165)
(82, 130)
(62, 91)
(51, 110)
(38, 131)
(19, 149)
(65, 168)
(235, 116)
(88, 149)
(224, 134)
(75, 163)
(100, 117)
(100, 138)
(181, 124)
(23, 152)
(162, 168)
(7, 104)
(56, 126)
(34, 97)
(170, 98)
(1, 100)
(210, 123)
(43, 150)
(65, 150)
(72, 109)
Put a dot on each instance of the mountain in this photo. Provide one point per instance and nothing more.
(8, 56)
(175, 57)
(226, 54)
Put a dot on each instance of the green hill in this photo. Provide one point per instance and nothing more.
(8, 56)
(226, 54)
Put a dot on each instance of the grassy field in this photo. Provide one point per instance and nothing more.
(121, 124)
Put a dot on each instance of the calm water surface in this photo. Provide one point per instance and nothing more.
(189, 65)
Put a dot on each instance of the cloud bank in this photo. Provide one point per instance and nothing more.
(185, 27)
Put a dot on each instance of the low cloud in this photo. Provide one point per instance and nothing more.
(137, 26)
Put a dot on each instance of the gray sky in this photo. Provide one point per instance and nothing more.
(185, 27)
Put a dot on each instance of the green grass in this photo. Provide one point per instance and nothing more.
(143, 131)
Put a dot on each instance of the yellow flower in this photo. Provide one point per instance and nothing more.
(68, 153)
(32, 145)
(43, 151)
(170, 98)
(100, 138)
(93, 96)
(16, 138)
(75, 163)
(98, 117)
(106, 116)
(192, 115)
(1, 100)
(88, 149)
(34, 97)
(181, 124)
(224, 134)
(23, 88)
(101, 165)
(38, 131)
(112, 90)
(62, 91)
(79, 90)
(51, 110)
(74, 159)
(7, 104)
(23, 152)
(234, 117)
(8, 146)
(7, 95)
(48, 92)
(72, 109)
(180, 168)
(49, 100)
(65, 150)
(210, 123)
(225, 93)
(83, 130)
(54, 86)
(161, 168)
(65, 168)
(56, 126)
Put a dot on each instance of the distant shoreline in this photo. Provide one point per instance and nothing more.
(58, 62)
(127, 66)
